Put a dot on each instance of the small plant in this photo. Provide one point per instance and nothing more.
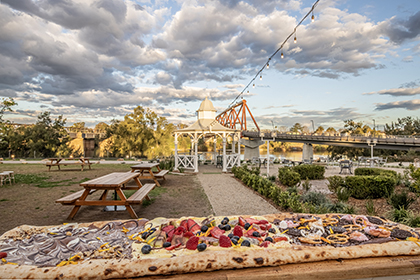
(343, 194)
(306, 185)
(398, 215)
(411, 220)
(315, 198)
(334, 182)
(370, 208)
(400, 200)
(293, 189)
(272, 178)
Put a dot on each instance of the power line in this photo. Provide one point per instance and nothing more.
(282, 45)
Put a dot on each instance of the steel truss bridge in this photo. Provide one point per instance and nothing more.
(237, 115)
(390, 142)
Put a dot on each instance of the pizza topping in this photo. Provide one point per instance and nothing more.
(269, 239)
(237, 231)
(216, 232)
(146, 249)
(246, 243)
(338, 238)
(192, 243)
(401, 234)
(377, 232)
(358, 236)
(201, 247)
(247, 226)
(224, 241)
(166, 244)
(375, 220)
(265, 244)
(225, 221)
(204, 228)
(173, 246)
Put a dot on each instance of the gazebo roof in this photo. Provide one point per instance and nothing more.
(207, 126)
(204, 124)
(206, 105)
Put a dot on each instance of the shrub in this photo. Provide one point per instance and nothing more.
(363, 187)
(373, 172)
(315, 198)
(288, 177)
(310, 171)
(415, 175)
(400, 200)
(334, 182)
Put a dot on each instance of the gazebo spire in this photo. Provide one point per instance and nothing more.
(206, 110)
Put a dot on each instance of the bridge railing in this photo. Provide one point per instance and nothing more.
(384, 139)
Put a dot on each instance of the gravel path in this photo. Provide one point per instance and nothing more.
(229, 197)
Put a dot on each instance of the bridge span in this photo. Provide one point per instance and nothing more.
(388, 142)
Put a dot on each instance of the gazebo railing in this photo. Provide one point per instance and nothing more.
(186, 161)
(232, 160)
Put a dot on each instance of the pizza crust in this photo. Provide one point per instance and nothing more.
(203, 261)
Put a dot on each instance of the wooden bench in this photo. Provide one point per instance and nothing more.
(161, 174)
(141, 194)
(71, 198)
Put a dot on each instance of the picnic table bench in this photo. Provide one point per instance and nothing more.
(146, 171)
(67, 161)
(115, 181)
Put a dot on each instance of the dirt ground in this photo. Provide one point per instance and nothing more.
(27, 204)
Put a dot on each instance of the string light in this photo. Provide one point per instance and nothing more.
(253, 86)
(311, 11)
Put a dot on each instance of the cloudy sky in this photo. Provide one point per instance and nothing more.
(96, 60)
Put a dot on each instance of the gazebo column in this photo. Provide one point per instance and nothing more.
(195, 153)
(233, 144)
(214, 150)
(239, 149)
(224, 154)
(176, 152)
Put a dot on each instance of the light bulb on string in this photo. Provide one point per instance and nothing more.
(260, 77)
(282, 56)
(295, 41)
(313, 17)
(253, 86)
(268, 65)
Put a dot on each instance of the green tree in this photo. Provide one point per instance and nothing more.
(356, 128)
(297, 128)
(404, 126)
(319, 130)
(331, 130)
(141, 133)
(48, 137)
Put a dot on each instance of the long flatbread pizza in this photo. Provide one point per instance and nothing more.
(132, 248)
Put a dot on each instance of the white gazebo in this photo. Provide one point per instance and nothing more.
(207, 126)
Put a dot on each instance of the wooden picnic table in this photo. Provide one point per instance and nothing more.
(115, 181)
(146, 171)
(68, 161)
